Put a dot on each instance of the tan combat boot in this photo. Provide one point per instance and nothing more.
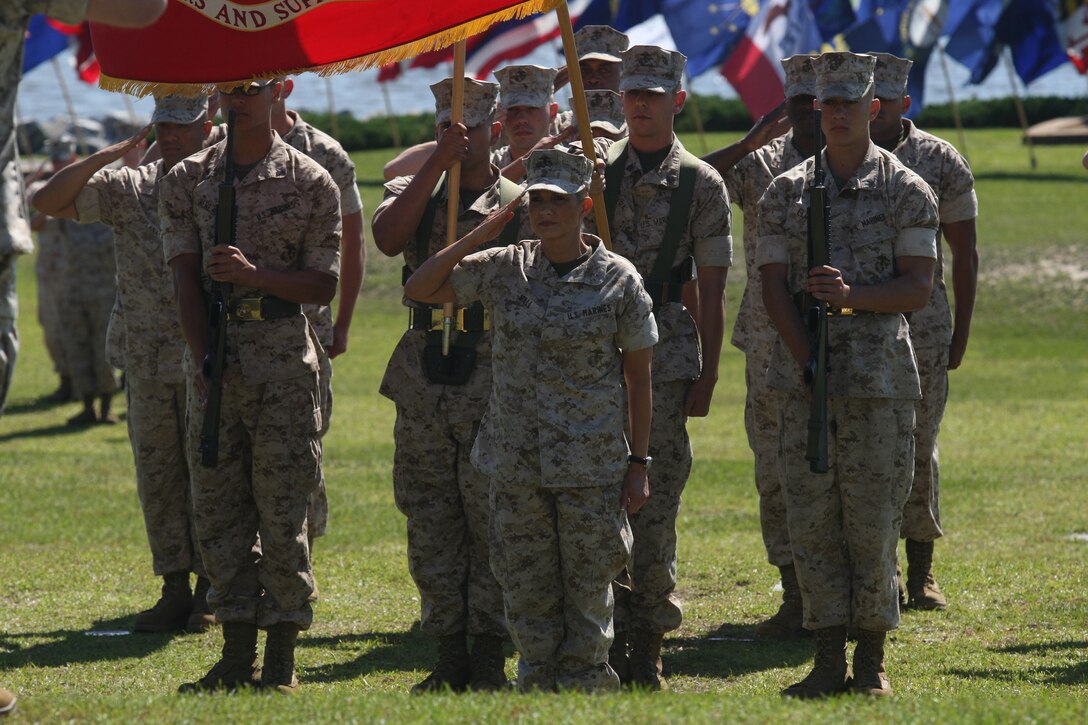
(278, 672)
(487, 664)
(453, 669)
(645, 661)
(201, 617)
(618, 659)
(789, 619)
(7, 701)
(171, 612)
(922, 589)
(828, 676)
(238, 667)
(869, 676)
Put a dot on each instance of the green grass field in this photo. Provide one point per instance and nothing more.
(1012, 647)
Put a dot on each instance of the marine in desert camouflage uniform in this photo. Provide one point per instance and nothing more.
(332, 157)
(572, 322)
(48, 268)
(286, 254)
(529, 110)
(777, 143)
(939, 338)
(126, 200)
(844, 524)
(685, 366)
(436, 487)
(15, 239)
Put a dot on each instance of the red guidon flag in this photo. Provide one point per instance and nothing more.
(199, 43)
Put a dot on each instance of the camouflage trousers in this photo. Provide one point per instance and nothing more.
(156, 430)
(555, 552)
(844, 524)
(644, 598)
(922, 514)
(50, 293)
(85, 316)
(268, 459)
(9, 338)
(761, 424)
(446, 501)
(317, 513)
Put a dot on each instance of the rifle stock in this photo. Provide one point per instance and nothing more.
(215, 360)
(815, 313)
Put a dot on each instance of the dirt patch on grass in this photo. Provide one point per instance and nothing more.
(1048, 265)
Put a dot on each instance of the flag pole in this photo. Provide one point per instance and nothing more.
(696, 116)
(581, 112)
(333, 124)
(130, 108)
(1020, 106)
(952, 101)
(453, 179)
(394, 127)
(80, 141)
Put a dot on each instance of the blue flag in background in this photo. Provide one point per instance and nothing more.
(978, 31)
(906, 28)
(43, 41)
(832, 16)
(706, 32)
(599, 12)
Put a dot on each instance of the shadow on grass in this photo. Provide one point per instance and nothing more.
(1064, 674)
(376, 652)
(49, 431)
(732, 651)
(73, 646)
(1024, 176)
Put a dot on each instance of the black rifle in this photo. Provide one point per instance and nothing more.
(815, 312)
(225, 227)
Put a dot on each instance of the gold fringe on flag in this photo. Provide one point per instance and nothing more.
(398, 53)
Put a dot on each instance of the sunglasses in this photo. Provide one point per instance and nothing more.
(248, 89)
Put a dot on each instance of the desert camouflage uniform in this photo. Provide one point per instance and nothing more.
(844, 524)
(88, 284)
(329, 155)
(269, 451)
(638, 227)
(948, 174)
(552, 444)
(754, 334)
(14, 225)
(153, 345)
(48, 268)
(434, 483)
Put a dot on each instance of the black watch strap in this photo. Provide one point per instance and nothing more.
(644, 462)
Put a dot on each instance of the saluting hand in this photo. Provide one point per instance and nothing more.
(496, 221)
(769, 127)
(228, 264)
(111, 153)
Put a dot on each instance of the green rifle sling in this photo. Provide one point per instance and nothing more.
(679, 210)
(508, 191)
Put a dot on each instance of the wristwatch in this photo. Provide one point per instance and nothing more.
(644, 462)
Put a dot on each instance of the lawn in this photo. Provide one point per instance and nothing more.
(1013, 645)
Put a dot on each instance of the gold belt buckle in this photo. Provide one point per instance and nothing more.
(248, 308)
(458, 319)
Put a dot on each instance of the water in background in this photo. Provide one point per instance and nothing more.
(40, 96)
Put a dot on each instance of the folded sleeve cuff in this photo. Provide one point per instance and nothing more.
(772, 249)
(962, 208)
(916, 242)
(714, 251)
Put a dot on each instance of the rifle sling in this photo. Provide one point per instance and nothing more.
(663, 273)
(508, 191)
